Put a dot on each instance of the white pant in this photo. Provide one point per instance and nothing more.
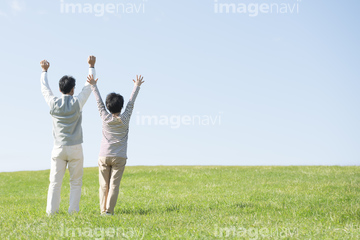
(60, 157)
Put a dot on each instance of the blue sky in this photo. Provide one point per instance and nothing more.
(285, 86)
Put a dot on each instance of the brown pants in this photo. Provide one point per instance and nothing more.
(110, 173)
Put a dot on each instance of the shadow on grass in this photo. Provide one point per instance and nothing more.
(243, 205)
(136, 211)
(173, 208)
(146, 211)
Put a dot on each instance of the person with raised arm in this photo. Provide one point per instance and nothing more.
(66, 113)
(113, 150)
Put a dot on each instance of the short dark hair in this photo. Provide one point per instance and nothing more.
(66, 83)
(114, 102)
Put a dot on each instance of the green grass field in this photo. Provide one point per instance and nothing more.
(191, 203)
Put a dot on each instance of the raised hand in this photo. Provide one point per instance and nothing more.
(91, 61)
(139, 80)
(44, 65)
(90, 79)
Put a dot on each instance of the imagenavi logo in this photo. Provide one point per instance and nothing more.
(101, 8)
(254, 9)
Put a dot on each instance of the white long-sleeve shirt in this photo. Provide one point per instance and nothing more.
(66, 112)
(82, 97)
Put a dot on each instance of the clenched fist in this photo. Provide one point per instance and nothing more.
(91, 61)
(44, 65)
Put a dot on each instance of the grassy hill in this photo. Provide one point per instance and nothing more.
(191, 203)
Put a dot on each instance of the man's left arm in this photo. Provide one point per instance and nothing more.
(86, 91)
